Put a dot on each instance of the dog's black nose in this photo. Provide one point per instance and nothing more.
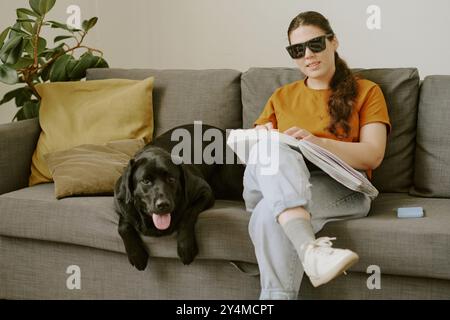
(162, 204)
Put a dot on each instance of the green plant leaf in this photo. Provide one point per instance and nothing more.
(19, 115)
(59, 25)
(71, 65)
(41, 7)
(16, 31)
(9, 96)
(31, 109)
(3, 36)
(42, 45)
(28, 12)
(28, 111)
(89, 24)
(59, 38)
(51, 53)
(58, 47)
(21, 20)
(8, 75)
(25, 21)
(85, 62)
(21, 95)
(58, 69)
(11, 51)
(45, 73)
(36, 27)
(23, 62)
(56, 24)
(20, 32)
(101, 63)
(29, 46)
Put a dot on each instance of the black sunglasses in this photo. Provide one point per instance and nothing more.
(297, 51)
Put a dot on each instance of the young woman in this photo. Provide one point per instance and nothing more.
(334, 109)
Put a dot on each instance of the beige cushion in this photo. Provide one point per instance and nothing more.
(90, 112)
(90, 169)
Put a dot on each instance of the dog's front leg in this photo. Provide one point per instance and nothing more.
(134, 247)
(186, 240)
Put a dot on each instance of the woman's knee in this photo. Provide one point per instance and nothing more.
(278, 156)
(262, 219)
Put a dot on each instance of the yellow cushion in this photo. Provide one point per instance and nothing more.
(91, 169)
(90, 112)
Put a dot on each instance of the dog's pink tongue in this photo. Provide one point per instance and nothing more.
(161, 221)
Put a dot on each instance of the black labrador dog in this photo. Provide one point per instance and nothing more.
(159, 193)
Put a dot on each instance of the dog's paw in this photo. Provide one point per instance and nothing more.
(187, 250)
(139, 259)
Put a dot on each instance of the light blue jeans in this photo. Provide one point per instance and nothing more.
(297, 182)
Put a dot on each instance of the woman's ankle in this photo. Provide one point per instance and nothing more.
(299, 231)
(293, 213)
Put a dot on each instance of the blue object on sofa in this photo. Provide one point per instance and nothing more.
(410, 212)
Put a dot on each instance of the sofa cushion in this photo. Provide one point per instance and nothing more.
(17, 144)
(400, 87)
(184, 96)
(431, 174)
(109, 275)
(91, 169)
(95, 112)
(34, 213)
(258, 85)
(410, 247)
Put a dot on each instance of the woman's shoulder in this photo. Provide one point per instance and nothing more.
(365, 85)
(288, 88)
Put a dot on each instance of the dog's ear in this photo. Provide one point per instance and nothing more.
(126, 185)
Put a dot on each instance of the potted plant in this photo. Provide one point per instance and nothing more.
(26, 57)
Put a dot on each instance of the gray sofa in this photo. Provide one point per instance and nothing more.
(40, 237)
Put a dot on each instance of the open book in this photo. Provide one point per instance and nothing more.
(241, 142)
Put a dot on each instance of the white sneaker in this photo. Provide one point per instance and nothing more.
(322, 263)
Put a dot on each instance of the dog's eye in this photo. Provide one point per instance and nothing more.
(146, 181)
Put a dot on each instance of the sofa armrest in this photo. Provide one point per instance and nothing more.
(17, 143)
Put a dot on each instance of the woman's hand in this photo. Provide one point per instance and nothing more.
(266, 126)
(302, 134)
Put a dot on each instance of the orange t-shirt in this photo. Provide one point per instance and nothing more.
(296, 104)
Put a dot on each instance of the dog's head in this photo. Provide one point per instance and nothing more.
(154, 185)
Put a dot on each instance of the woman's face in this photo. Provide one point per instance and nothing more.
(324, 70)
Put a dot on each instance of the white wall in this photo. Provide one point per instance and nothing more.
(238, 34)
